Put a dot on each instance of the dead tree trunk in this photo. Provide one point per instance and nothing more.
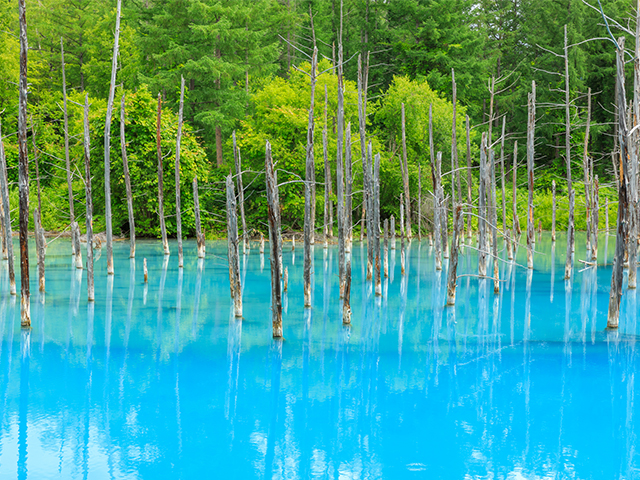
(393, 232)
(200, 240)
(504, 203)
(386, 248)
(468, 175)
(594, 219)
(6, 217)
(328, 204)
(453, 262)
(405, 174)
(163, 228)
(75, 229)
(238, 164)
(402, 254)
(23, 173)
(363, 76)
(368, 188)
(348, 209)
(376, 223)
(35, 160)
(516, 220)
(233, 248)
(606, 210)
(553, 211)
(437, 214)
(482, 210)
(340, 176)
(309, 180)
(455, 179)
(623, 198)
(107, 144)
(66, 145)
(568, 267)
(40, 247)
(494, 226)
(89, 202)
(274, 244)
(585, 167)
(346, 302)
(127, 182)
(419, 202)
(632, 244)
(531, 125)
(177, 176)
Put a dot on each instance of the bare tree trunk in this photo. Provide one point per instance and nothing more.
(531, 125)
(623, 197)
(585, 166)
(40, 247)
(632, 244)
(494, 225)
(66, 145)
(437, 214)
(405, 174)
(328, 204)
(233, 248)
(504, 203)
(340, 176)
(419, 202)
(127, 182)
(454, 153)
(492, 91)
(453, 263)
(386, 247)
(348, 209)
(238, 164)
(393, 232)
(362, 123)
(553, 211)
(368, 189)
(107, 144)
(376, 223)
(75, 229)
(516, 220)
(594, 220)
(146, 272)
(89, 211)
(482, 210)
(177, 174)
(568, 267)
(606, 211)
(469, 201)
(274, 244)
(163, 228)
(6, 217)
(346, 302)
(402, 254)
(200, 240)
(309, 220)
(23, 173)
(35, 159)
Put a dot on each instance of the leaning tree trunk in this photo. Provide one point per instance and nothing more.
(6, 217)
(89, 210)
(23, 173)
(274, 244)
(163, 228)
(107, 144)
(623, 198)
(127, 182)
(177, 173)
(238, 164)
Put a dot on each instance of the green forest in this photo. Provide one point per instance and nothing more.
(244, 64)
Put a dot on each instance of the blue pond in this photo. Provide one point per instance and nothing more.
(160, 381)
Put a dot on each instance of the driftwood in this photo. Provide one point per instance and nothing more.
(177, 176)
(6, 217)
(623, 198)
(274, 243)
(200, 240)
(107, 143)
(309, 219)
(89, 202)
(163, 228)
(127, 182)
(66, 143)
(531, 125)
(23, 174)
(233, 248)
(453, 262)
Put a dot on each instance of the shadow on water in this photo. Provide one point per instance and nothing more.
(159, 380)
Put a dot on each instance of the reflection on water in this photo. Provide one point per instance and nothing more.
(159, 380)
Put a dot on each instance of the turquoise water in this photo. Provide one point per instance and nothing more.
(160, 381)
